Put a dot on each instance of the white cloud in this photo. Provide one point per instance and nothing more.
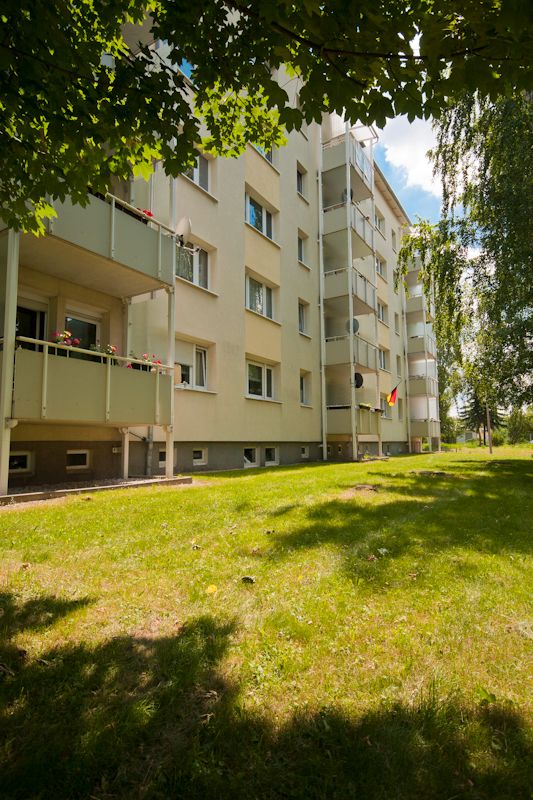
(406, 144)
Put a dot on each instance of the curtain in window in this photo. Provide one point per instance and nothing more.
(201, 367)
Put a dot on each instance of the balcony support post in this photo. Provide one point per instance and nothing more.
(353, 397)
(171, 348)
(125, 452)
(9, 267)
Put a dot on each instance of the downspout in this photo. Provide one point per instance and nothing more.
(406, 367)
(323, 408)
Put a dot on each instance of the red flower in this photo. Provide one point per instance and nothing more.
(75, 342)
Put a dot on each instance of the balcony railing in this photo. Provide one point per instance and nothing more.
(364, 290)
(359, 158)
(58, 383)
(362, 226)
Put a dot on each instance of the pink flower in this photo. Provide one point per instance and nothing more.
(68, 341)
(128, 366)
(75, 342)
(145, 355)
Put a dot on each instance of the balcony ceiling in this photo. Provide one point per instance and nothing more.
(54, 256)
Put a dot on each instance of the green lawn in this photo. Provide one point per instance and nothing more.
(379, 649)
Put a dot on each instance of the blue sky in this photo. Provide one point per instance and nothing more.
(401, 155)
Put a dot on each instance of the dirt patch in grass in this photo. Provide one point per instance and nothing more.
(360, 489)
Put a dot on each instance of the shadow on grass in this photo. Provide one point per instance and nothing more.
(480, 506)
(156, 718)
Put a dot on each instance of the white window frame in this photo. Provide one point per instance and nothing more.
(300, 180)
(381, 267)
(203, 460)
(385, 408)
(382, 359)
(79, 467)
(396, 323)
(275, 461)
(394, 243)
(267, 218)
(268, 155)
(383, 312)
(267, 296)
(303, 317)
(250, 464)
(304, 452)
(379, 222)
(301, 249)
(72, 313)
(305, 388)
(29, 462)
(195, 176)
(195, 265)
(399, 366)
(265, 370)
(193, 383)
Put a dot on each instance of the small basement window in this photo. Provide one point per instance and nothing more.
(271, 456)
(199, 457)
(78, 459)
(304, 452)
(250, 456)
(20, 462)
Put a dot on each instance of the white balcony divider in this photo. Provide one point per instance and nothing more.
(360, 159)
(362, 226)
(364, 289)
(365, 353)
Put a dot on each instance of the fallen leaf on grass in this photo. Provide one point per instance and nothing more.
(211, 589)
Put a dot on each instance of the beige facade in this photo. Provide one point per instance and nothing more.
(282, 296)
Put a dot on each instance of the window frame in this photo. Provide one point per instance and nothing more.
(386, 411)
(266, 370)
(78, 467)
(305, 388)
(193, 383)
(194, 173)
(379, 221)
(380, 265)
(196, 254)
(250, 464)
(267, 218)
(204, 458)
(28, 469)
(275, 461)
(384, 315)
(383, 358)
(267, 297)
(303, 317)
(304, 452)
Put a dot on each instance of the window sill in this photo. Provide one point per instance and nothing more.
(200, 188)
(193, 389)
(304, 265)
(386, 324)
(382, 233)
(262, 316)
(262, 399)
(305, 335)
(196, 286)
(306, 405)
(382, 278)
(302, 197)
(263, 235)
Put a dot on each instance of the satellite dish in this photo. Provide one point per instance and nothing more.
(354, 326)
(183, 228)
(358, 378)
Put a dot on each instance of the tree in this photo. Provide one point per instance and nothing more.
(83, 98)
(478, 257)
(473, 413)
(519, 425)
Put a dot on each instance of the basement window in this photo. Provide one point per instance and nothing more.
(78, 459)
(20, 462)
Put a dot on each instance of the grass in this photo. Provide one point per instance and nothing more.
(382, 650)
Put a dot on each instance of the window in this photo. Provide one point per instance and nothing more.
(259, 297)
(384, 406)
(268, 154)
(20, 462)
(77, 459)
(193, 266)
(397, 323)
(199, 173)
(300, 180)
(379, 222)
(199, 457)
(305, 388)
(398, 365)
(396, 280)
(301, 249)
(302, 316)
(258, 217)
(260, 381)
(383, 358)
(381, 267)
(304, 452)
(193, 375)
(200, 367)
(383, 313)
(271, 456)
(85, 329)
(393, 237)
(400, 409)
(250, 456)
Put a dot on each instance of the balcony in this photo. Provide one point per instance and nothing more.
(335, 222)
(60, 385)
(364, 293)
(416, 303)
(419, 345)
(338, 352)
(108, 246)
(339, 421)
(334, 160)
(427, 428)
(421, 385)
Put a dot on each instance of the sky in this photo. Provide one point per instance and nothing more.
(401, 155)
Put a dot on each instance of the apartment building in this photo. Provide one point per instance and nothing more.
(273, 336)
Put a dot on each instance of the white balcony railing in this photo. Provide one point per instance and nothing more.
(59, 383)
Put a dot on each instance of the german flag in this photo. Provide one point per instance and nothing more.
(391, 398)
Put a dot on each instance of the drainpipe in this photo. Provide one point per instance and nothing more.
(149, 449)
(323, 409)
(9, 267)
(353, 410)
(171, 346)
(406, 366)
